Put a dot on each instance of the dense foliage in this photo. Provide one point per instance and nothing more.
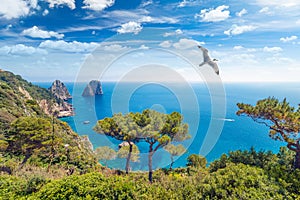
(195, 160)
(235, 180)
(155, 128)
(282, 119)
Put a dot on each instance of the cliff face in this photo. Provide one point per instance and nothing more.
(93, 88)
(63, 109)
(61, 94)
(59, 90)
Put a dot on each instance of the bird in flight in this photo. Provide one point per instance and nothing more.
(207, 60)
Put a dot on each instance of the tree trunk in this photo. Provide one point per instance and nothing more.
(127, 168)
(150, 162)
(296, 148)
(27, 156)
(172, 162)
(297, 157)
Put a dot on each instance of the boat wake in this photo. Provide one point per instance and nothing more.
(226, 119)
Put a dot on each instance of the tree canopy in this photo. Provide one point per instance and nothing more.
(156, 129)
(121, 127)
(123, 152)
(174, 151)
(195, 160)
(282, 119)
(105, 153)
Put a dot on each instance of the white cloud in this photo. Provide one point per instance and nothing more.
(238, 47)
(289, 39)
(187, 43)
(130, 27)
(266, 10)
(168, 20)
(114, 48)
(279, 3)
(236, 30)
(221, 13)
(13, 9)
(244, 49)
(183, 3)
(272, 49)
(98, 5)
(138, 15)
(241, 13)
(146, 19)
(9, 26)
(144, 47)
(146, 3)
(20, 49)
(280, 60)
(35, 32)
(46, 12)
(72, 47)
(165, 44)
(177, 32)
(69, 3)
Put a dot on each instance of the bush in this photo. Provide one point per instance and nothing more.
(239, 181)
(197, 161)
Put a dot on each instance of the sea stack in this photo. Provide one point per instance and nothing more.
(59, 90)
(93, 88)
(61, 94)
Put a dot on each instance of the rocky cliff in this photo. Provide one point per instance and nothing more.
(59, 90)
(61, 94)
(93, 88)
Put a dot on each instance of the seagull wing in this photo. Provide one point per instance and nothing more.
(206, 57)
(214, 65)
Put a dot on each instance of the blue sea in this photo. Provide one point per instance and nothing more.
(199, 106)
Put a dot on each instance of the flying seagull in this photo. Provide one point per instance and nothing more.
(207, 60)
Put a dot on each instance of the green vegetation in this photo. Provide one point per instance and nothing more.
(32, 142)
(235, 180)
(197, 161)
(174, 151)
(121, 128)
(156, 129)
(281, 118)
(42, 158)
(135, 155)
(105, 153)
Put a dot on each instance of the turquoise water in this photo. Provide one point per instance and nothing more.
(237, 133)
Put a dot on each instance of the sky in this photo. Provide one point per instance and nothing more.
(254, 41)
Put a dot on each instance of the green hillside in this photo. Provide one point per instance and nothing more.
(32, 140)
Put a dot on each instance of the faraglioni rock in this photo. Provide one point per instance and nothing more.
(93, 88)
(61, 94)
(59, 90)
